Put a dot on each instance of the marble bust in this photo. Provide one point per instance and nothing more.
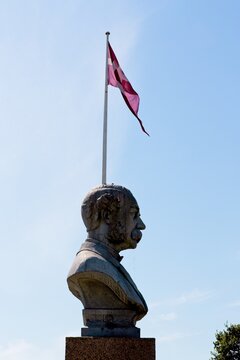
(112, 303)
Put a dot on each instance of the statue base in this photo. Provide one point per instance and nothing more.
(110, 323)
(130, 332)
(97, 348)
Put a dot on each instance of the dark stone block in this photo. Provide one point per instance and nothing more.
(96, 348)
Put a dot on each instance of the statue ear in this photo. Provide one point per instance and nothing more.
(96, 217)
(106, 216)
(107, 206)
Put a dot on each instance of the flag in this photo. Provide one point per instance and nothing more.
(117, 78)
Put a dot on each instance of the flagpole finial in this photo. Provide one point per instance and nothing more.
(107, 33)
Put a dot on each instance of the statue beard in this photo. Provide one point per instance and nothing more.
(117, 233)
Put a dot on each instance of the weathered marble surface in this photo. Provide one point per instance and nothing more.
(112, 303)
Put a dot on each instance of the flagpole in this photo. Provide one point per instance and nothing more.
(104, 153)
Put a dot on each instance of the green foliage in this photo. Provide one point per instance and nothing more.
(227, 344)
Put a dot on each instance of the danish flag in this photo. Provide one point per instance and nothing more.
(117, 78)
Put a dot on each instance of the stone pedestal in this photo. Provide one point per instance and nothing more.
(96, 348)
(110, 323)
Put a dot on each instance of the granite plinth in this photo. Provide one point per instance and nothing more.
(93, 348)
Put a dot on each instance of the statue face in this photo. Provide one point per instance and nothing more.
(133, 224)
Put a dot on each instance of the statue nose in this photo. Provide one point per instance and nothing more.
(141, 225)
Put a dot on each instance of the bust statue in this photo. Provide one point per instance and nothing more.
(112, 303)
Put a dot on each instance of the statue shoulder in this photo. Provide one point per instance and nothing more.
(93, 269)
(90, 261)
(92, 274)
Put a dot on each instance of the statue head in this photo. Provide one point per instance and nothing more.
(111, 213)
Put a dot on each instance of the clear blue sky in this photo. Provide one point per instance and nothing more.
(182, 57)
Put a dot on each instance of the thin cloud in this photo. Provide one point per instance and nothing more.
(15, 350)
(172, 337)
(194, 296)
(168, 316)
(235, 304)
(24, 350)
